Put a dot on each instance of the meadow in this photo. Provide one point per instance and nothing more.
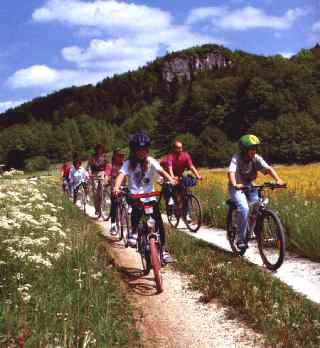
(298, 205)
(58, 287)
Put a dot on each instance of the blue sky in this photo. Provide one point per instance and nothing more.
(47, 45)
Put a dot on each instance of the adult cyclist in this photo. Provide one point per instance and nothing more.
(177, 162)
(243, 170)
(141, 170)
(97, 166)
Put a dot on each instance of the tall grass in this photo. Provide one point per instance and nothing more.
(57, 286)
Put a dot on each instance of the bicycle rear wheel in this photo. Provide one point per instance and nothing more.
(106, 203)
(193, 216)
(271, 240)
(144, 253)
(232, 230)
(82, 197)
(125, 225)
(155, 262)
(171, 214)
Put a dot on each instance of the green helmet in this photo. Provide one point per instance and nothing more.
(247, 141)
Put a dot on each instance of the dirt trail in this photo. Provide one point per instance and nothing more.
(175, 318)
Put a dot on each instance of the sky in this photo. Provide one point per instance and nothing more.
(47, 45)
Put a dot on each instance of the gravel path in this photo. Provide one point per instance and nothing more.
(176, 318)
(301, 274)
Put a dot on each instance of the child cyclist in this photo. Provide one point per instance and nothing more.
(111, 173)
(242, 171)
(141, 169)
(77, 176)
(65, 171)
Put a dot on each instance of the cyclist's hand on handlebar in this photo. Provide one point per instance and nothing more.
(238, 186)
(199, 177)
(173, 181)
(280, 182)
(116, 192)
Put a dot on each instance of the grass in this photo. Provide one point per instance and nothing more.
(286, 318)
(57, 286)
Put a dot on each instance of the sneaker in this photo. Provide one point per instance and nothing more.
(188, 217)
(113, 230)
(132, 240)
(241, 244)
(167, 258)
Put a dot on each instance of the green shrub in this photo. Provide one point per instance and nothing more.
(36, 163)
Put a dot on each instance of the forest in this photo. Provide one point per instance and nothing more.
(207, 96)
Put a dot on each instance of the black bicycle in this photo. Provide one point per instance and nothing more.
(264, 224)
(191, 208)
(148, 240)
(101, 196)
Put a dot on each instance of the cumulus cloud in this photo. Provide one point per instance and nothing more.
(316, 27)
(4, 106)
(244, 18)
(46, 78)
(103, 14)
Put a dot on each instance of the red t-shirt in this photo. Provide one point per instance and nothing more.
(65, 169)
(179, 162)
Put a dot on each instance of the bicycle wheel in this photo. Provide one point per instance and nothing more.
(232, 230)
(125, 225)
(106, 203)
(155, 262)
(144, 253)
(271, 240)
(193, 216)
(82, 197)
(119, 220)
(171, 214)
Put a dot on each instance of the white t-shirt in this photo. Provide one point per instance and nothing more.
(77, 176)
(140, 181)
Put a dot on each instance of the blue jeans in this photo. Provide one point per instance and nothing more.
(242, 201)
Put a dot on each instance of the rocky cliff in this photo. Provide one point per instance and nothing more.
(186, 67)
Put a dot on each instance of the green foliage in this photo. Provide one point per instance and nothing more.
(36, 163)
(273, 96)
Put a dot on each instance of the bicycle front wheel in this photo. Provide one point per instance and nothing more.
(155, 262)
(271, 240)
(125, 225)
(144, 253)
(106, 203)
(83, 198)
(193, 214)
(232, 231)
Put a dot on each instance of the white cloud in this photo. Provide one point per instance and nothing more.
(4, 106)
(286, 54)
(244, 18)
(48, 79)
(316, 27)
(110, 15)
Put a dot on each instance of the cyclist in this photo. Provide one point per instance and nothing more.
(97, 166)
(77, 176)
(242, 171)
(111, 173)
(177, 162)
(65, 171)
(141, 169)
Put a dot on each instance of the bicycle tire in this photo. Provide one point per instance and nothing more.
(267, 237)
(105, 208)
(232, 230)
(143, 250)
(125, 225)
(171, 215)
(155, 262)
(196, 215)
(119, 221)
(83, 197)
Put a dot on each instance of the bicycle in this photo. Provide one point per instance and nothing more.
(191, 208)
(81, 192)
(264, 224)
(148, 241)
(101, 195)
(122, 216)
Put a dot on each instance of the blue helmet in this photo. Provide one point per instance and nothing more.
(138, 141)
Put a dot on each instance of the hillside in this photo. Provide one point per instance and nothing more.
(209, 95)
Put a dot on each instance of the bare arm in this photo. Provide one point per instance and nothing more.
(167, 176)
(118, 182)
(232, 180)
(195, 172)
(275, 176)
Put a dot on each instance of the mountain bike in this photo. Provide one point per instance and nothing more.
(148, 241)
(191, 208)
(264, 224)
(122, 216)
(101, 196)
(81, 193)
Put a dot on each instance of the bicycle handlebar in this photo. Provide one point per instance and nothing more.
(269, 185)
(144, 195)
